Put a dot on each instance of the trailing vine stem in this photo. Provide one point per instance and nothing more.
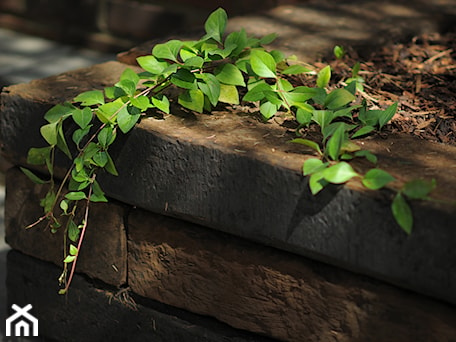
(205, 73)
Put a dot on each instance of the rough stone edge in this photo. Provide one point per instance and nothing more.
(93, 313)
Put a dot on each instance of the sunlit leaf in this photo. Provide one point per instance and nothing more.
(338, 98)
(229, 94)
(313, 165)
(229, 74)
(75, 195)
(263, 64)
(192, 99)
(323, 77)
(168, 50)
(387, 115)
(215, 25)
(376, 179)
(90, 98)
(339, 173)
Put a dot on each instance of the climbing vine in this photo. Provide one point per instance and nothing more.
(199, 75)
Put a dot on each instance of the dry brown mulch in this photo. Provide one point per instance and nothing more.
(421, 77)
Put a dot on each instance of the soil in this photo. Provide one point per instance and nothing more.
(420, 75)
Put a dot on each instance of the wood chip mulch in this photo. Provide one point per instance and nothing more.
(420, 76)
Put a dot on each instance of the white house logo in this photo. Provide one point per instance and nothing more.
(22, 321)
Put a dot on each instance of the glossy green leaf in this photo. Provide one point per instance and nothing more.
(141, 102)
(339, 173)
(238, 39)
(229, 74)
(338, 98)
(79, 134)
(184, 79)
(67, 260)
(310, 143)
(59, 112)
(82, 117)
(126, 121)
(100, 159)
(317, 182)
(376, 179)
(402, 213)
(363, 131)
(215, 25)
(312, 166)
(73, 231)
(210, 86)
(161, 102)
(129, 74)
(257, 93)
(168, 50)
(303, 116)
(128, 86)
(75, 195)
(152, 64)
(387, 115)
(73, 250)
(192, 99)
(334, 145)
(194, 62)
(263, 64)
(323, 77)
(229, 94)
(90, 98)
(418, 188)
(268, 109)
(295, 69)
(109, 111)
(49, 132)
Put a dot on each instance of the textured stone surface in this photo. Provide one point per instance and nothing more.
(92, 313)
(229, 172)
(103, 254)
(272, 292)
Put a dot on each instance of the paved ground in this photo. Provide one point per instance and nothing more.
(22, 59)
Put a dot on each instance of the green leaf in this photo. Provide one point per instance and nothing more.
(192, 99)
(312, 144)
(376, 179)
(64, 206)
(184, 79)
(295, 69)
(73, 250)
(229, 94)
(141, 102)
(35, 179)
(418, 188)
(82, 117)
(268, 109)
(61, 141)
(59, 112)
(108, 112)
(210, 87)
(339, 173)
(73, 232)
(312, 166)
(98, 194)
(38, 156)
(129, 74)
(333, 147)
(49, 132)
(75, 195)
(387, 115)
(263, 64)
(363, 131)
(317, 182)
(128, 86)
(339, 52)
(355, 69)
(338, 98)
(110, 167)
(215, 25)
(194, 62)
(323, 77)
(90, 98)
(402, 213)
(79, 134)
(126, 121)
(229, 74)
(48, 201)
(257, 93)
(168, 50)
(100, 159)
(106, 136)
(152, 64)
(303, 116)
(161, 102)
(67, 260)
(322, 117)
